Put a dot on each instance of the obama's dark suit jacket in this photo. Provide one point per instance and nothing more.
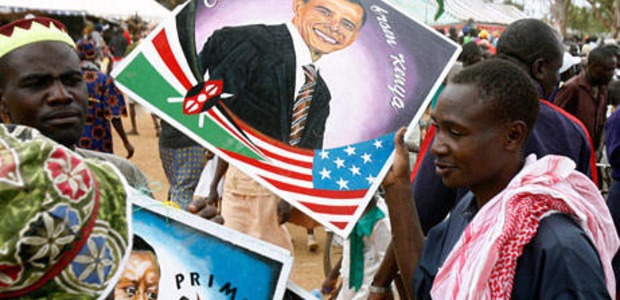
(257, 65)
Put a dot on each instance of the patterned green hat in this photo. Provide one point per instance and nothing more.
(64, 220)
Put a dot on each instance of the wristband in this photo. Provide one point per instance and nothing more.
(378, 289)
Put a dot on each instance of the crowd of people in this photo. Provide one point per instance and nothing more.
(505, 201)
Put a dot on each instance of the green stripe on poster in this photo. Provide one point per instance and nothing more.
(143, 79)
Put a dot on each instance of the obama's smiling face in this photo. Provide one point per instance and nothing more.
(327, 25)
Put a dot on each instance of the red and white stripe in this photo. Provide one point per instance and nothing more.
(289, 170)
(160, 52)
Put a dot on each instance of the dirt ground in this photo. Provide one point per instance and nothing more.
(308, 266)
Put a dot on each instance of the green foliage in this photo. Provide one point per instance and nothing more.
(583, 19)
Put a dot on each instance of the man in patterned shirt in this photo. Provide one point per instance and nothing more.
(106, 105)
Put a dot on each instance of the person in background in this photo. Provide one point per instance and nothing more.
(362, 254)
(106, 105)
(616, 49)
(136, 27)
(585, 96)
(471, 54)
(183, 160)
(571, 66)
(97, 38)
(118, 45)
(453, 34)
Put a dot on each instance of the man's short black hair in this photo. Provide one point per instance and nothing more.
(471, 52)
(601, 55)
(613, 47)
(357, 2)
(526, 40)
(505, 87)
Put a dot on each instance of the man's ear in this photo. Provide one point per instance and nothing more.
(297, 4)
(515, 135)
(537, 69)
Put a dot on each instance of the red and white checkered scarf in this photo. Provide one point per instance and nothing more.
(483, 262)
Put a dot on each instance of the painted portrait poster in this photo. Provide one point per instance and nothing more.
(178, 256)
(302, 95)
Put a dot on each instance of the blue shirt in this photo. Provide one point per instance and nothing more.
(560, 262)
(105, 102)
(612, 143)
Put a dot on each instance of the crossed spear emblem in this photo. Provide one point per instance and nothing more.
(203, 96)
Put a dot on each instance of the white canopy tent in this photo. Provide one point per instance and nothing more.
(460, 11)
(148, 10)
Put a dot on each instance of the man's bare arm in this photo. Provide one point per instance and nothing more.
(385, 275)
(407, 236)
(205, 207)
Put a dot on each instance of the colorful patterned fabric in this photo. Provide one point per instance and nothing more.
(87, 50)
(105, 102)
(135, 178)
(482, 264)
(64, 220)
(183, 167)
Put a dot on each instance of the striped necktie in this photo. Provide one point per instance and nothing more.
(302, 105)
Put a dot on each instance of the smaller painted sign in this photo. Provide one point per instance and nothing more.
(177, 255)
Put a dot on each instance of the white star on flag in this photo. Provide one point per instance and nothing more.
(325, 173)
(350, 150)
(378, 144)
(343, 183)
(324, 154)
(370, 179)
(355, 170)
(339, 163)
(366, 158)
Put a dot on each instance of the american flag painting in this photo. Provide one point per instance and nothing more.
(331, 185)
